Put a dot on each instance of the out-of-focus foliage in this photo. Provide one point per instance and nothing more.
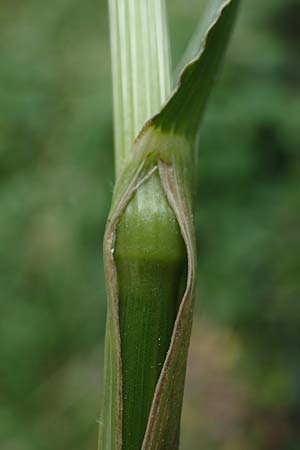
(56, 179)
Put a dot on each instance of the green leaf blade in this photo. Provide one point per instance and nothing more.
(183, 112)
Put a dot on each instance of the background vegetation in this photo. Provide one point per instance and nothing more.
(56, 179)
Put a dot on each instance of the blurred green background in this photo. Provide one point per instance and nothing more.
(56, 180)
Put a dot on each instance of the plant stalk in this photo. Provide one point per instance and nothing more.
(140, 68)
(149, 242)
(149, 251)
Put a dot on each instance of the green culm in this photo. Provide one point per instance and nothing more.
(149, 243)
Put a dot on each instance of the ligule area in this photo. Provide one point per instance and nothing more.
(151, 264)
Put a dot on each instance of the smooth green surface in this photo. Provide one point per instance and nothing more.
(151, 268)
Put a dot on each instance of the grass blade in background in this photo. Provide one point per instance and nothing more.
(149, 245)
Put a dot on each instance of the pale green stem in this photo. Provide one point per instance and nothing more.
(140, 67)
(149, 251)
